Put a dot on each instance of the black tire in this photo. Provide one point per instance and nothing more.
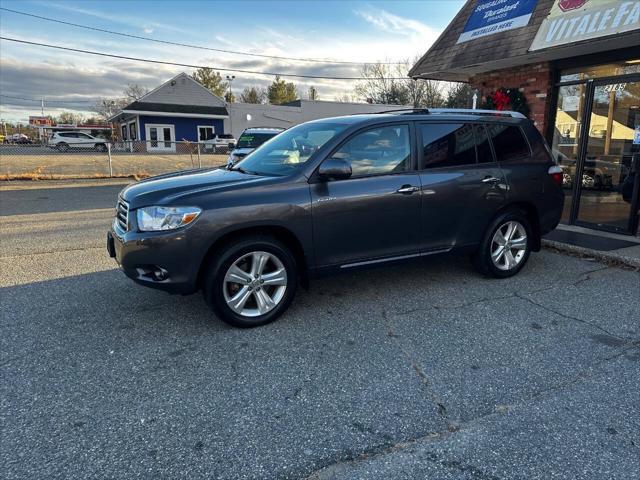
(101, 147)
(214, 285)
(63, 147)
(482, 258)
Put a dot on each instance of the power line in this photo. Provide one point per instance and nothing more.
(188, 65)
(188, 45)
(45, 100)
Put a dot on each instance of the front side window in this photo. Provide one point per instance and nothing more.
(378, 151)
(509, 143)
(287, 152)
(124, 132)
(448, 144)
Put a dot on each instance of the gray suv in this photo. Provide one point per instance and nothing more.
(338, 194)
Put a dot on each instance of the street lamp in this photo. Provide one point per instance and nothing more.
(230, 78)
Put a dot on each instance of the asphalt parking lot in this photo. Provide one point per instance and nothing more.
(411, 372)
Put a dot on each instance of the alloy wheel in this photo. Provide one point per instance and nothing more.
(509, 245)
(255, 284)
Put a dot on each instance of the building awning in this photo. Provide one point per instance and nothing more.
(450, 58)
(169, 110)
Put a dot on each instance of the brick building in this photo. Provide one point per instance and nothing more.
(576, 64)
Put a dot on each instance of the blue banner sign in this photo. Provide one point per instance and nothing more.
(494, 16)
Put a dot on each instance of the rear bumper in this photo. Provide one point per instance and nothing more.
(550, 216)
(164, 261)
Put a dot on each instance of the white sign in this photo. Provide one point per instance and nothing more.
(570, 103)
(572, 21)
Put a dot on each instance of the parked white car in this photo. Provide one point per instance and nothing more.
(64, 141)
(219, 142)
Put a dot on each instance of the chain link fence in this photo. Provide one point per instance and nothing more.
(137, 159)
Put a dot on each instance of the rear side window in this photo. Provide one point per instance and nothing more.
(447, 144)
(509, 143)
(482, 144)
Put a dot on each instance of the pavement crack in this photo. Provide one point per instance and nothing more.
(583, 375)
(327, 470)
(571, 317)
(422, 376)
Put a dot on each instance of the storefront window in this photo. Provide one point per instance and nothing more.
(600, 71)
(612, 151)
(566, 137)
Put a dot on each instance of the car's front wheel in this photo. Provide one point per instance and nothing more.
(63, 147)
(506, 246)
(251, 282)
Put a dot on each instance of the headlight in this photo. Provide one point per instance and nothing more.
(165, 218)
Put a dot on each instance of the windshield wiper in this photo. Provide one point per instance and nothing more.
(242, 170)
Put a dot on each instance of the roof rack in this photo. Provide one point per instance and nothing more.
(469, 111)
(416, 111)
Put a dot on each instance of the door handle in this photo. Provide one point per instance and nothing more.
(407, 189)
(490, 180)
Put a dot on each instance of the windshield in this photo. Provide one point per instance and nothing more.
(254, 140)
(288, 151)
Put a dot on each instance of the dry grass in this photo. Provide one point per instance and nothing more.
(56, 166)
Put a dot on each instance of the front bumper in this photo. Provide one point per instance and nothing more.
(162, 260)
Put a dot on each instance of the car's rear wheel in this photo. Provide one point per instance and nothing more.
(506, 245)
(101, 147)
(63, 147)
(251, 282)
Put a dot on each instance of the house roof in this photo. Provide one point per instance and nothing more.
(180, 95)
(449, 60)
(140, 106)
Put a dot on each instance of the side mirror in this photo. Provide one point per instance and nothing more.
(334, 168)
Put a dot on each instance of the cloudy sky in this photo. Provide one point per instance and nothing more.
(329, 30)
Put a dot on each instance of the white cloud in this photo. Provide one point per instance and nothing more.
(148, 30)
(33, 72)
(395, 24)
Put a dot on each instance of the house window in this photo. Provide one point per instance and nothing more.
(205, 133)
(124, 132)
(160, 137)
(132, 131)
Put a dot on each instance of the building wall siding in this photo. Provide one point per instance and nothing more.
(184, 91)
(185, 128)
(535, 81)
(286, 116)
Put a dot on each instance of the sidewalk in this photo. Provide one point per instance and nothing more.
(602, 246)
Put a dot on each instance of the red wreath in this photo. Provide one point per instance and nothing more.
(501, 100)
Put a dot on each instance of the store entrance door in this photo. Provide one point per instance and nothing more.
(600, 155)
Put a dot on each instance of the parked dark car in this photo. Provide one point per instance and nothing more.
(338, 194)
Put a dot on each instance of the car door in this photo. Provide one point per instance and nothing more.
(462, 185)
(374, 214)
(84, 140)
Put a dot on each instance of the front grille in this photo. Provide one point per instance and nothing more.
(122, 214)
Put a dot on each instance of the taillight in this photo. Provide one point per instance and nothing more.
(556, 174)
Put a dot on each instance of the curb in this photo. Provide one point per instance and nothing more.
(611, 258)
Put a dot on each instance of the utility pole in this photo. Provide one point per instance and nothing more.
(40, 127)
(230, 78)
